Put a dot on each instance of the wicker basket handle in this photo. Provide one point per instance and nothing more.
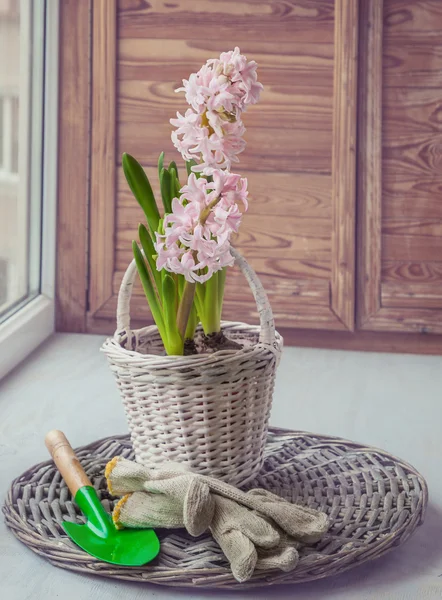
(267, 333)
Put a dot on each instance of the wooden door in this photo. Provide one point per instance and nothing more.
(300, 155)
(400, 143)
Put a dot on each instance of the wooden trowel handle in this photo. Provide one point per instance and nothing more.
(66, 461)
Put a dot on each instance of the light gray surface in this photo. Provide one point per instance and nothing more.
(390, 401)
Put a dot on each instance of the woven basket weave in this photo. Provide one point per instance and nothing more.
(209, 411)
(374, 502)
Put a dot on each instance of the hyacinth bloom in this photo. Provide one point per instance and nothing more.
(197, 232)
(211, 131)
(183, 256)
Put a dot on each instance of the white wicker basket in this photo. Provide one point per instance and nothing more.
(209, 411)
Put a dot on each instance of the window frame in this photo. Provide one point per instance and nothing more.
(31, 322)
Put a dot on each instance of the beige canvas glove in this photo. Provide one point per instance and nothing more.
(255, 529)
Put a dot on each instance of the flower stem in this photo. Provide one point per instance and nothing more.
(221, 285)
(211, 302)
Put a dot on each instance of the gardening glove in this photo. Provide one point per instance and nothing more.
(175, 499)
(264, 537)
(304, 524)
(248, 540)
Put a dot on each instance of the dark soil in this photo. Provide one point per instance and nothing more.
(190, 347)
(218, 341)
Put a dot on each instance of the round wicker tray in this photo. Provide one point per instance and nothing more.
(375, 502)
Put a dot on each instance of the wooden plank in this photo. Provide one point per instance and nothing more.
(306, 64)
(283, 149)
(285, 292)
(73, 158)
(418, 227)
(414, 320)
(343, 161)
(256, 226)
(265, 236)
(411, 111)
(411, 295)
(154, 102)
(418, 248)
(300, 314)
(415, 18)
(103, 152)
(407, 196)
(365, 341)
(412, 272)
(369, 161)
(286, 269)
(251, 20)
(289, 195)
(412, 155)
(412, 62)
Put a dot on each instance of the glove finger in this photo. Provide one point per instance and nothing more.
(198, 508)
(304, 524)
(239, 551)
(124, 476)
(141, 509)
(257, 528)
(284, 558)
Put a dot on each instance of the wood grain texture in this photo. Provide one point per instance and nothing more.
(262, 235)
(416, 319)
(73, 166)
(407, 239)
(251, 20)
(365, 341)
(288, 103)
(411, 295)
(304, 63)
(289, 195)
(305, 149)
(412, 272)
(299, 312)
(420, 248)
(292, 292)
(369, 161)
(297, 272)
(359, 340)
(406, 196)
(343, 161)
(400, 228)
(413, 18)
(103, 152)
(288, 160)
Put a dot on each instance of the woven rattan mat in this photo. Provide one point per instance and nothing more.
(375, 502)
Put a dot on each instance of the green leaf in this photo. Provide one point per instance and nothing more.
(142, 190)
(172, 165)
(149, 291)
(175, 343)
(175, 184)
(149, 253)
(192, 324)
(221, 285)
(160, 164)
(189, 165)
(200, 294)
(211, 305)
(166, 190)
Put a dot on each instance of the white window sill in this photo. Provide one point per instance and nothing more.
(24, 330)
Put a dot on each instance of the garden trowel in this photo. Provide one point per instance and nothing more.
(98, 536)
